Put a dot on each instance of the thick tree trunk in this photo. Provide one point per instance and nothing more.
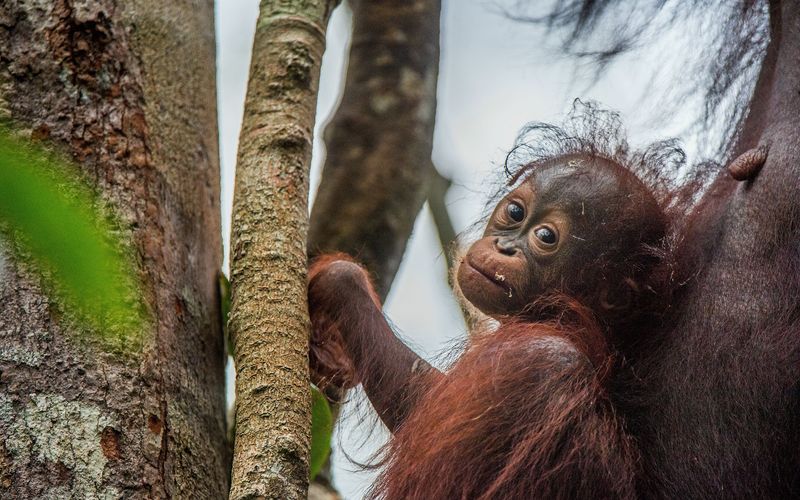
(127, 89)
(379, 142)
(269, 316)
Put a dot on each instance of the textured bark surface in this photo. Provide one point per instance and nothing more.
(269, 317)
(379, 142)
(127, 89)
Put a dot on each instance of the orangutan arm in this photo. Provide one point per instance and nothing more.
(350, 336)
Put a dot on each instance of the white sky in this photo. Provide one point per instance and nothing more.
(495, 76)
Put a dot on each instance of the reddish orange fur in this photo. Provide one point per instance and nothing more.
(522, 414)
(330, 366)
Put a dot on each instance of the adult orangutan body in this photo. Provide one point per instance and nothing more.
(710, 393)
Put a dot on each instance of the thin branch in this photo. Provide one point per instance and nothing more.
(437, 190)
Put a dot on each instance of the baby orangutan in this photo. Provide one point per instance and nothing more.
(569, 265)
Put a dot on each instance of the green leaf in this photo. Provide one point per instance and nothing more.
(321, 431)
(48, 215)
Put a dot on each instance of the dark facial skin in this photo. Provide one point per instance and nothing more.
(512, 262)
(546, 234)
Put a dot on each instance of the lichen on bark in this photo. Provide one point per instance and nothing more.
(72, 436)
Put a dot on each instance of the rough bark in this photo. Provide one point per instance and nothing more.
(127, 89)
(379, 142)
(269, 317)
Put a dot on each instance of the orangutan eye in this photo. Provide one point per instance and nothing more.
(546, 235)
(515, 211)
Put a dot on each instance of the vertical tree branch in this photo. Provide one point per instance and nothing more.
(269, 317)
(379, 142)
(437, 191)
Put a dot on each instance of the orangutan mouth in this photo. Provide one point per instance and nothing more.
(495, 278)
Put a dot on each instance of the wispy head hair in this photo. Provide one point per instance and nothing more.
(729, 40)
(589, 130)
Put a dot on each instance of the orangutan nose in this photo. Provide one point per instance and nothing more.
(505, 247)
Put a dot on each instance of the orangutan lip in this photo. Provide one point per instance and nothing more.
(496, 279)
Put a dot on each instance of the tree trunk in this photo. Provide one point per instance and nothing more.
(127, 89)
(269, 317)
(379, 142)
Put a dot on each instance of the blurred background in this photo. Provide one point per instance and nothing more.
(495, 75)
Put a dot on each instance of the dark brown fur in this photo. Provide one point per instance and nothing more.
(712, 394)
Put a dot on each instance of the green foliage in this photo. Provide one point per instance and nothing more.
(49, 218)
(321, 431)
